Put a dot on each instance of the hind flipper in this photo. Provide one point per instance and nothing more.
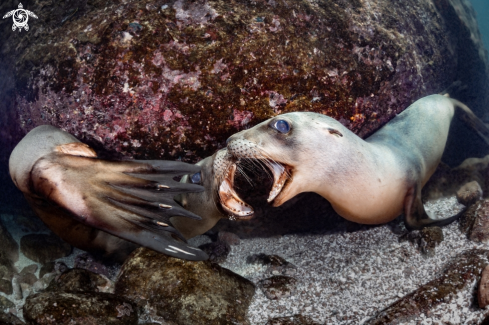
(415, 215)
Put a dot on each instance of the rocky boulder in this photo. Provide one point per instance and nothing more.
(184, 292)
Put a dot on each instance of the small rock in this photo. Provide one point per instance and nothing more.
(88, 262)
(184, 292)
(278, 265)
(426, 239)
(217, 251)
(5, 303)
(466, 221)
(46, 268)
(483, 292)
(278, 287)
(80, 280)
(9, 319)
(6, 286)
(60, 267)
(469, 193)
(29, 269)
(27, 278)
(44, 248)
(78, 309)
(479, 231)
(292, 320)
(17, 290)
(229, 237)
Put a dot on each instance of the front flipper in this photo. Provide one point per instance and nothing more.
(129, 199)
(416, 217)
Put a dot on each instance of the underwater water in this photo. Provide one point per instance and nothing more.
(172, 81)
(481, 8)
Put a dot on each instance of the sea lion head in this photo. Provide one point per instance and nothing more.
(217, 201)
(298, 148)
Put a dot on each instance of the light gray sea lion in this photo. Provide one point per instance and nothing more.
(102, 206)
(368, 181)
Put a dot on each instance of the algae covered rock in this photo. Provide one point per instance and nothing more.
(184, 292)
(78, 308)
(172, 79)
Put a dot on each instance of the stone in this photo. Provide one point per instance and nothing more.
(469, 193)
(90, 263)
(479, 231)
(29, 269)
(277, 264)
(463, 270)
(27, 278)
(278, 286)
(425, 239)
(217, 251)
(184, 292)
(228, 237)
(80, 280)
(43, 282)
(5, 303)
(80, 308)
(292, 320)
(46, 268)
(44, 248)
(10, 319)
(6, 286)
(483, 291)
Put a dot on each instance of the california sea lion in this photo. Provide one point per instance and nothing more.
(92, 203)
(368, 181)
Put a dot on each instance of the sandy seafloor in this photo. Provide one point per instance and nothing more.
(348, 277)
(344, 277)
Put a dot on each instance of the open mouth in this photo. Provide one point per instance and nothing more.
(234, 205)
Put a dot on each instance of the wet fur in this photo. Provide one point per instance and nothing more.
(368, 181)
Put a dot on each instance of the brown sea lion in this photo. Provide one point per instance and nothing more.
(369, 181)
(102, 206)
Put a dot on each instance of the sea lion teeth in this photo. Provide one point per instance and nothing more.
(279, 177)
(230, 201)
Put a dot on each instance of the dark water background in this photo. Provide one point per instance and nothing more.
(482, 9)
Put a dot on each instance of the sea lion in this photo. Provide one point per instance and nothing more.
(369, 181)
(102, 206)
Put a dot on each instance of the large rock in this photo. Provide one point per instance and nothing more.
(9, 319)
(171, 79)
(184, 292)
(78, 309)
(9, 249)
(44, 248)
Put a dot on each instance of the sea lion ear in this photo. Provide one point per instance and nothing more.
(335, 132)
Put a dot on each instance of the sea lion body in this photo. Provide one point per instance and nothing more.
(105, 207)
(369, 181)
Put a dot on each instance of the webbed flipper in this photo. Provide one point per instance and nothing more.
(415, 215)
(130, 199)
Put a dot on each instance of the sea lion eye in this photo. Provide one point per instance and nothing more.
(281, 126)
(196, 178)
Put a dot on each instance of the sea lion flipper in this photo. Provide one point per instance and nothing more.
(415, 215)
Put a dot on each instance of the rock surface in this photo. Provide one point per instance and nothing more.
(483, 291)
(80, 280)
(217, 251)
(184, 292)
(9, 319)
(65, 308)
(44, 248)
(469, 193)
(9, 250)
(176, 82)
(278, 286)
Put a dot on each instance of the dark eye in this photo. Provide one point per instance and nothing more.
(196, 178)
(281, 126)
